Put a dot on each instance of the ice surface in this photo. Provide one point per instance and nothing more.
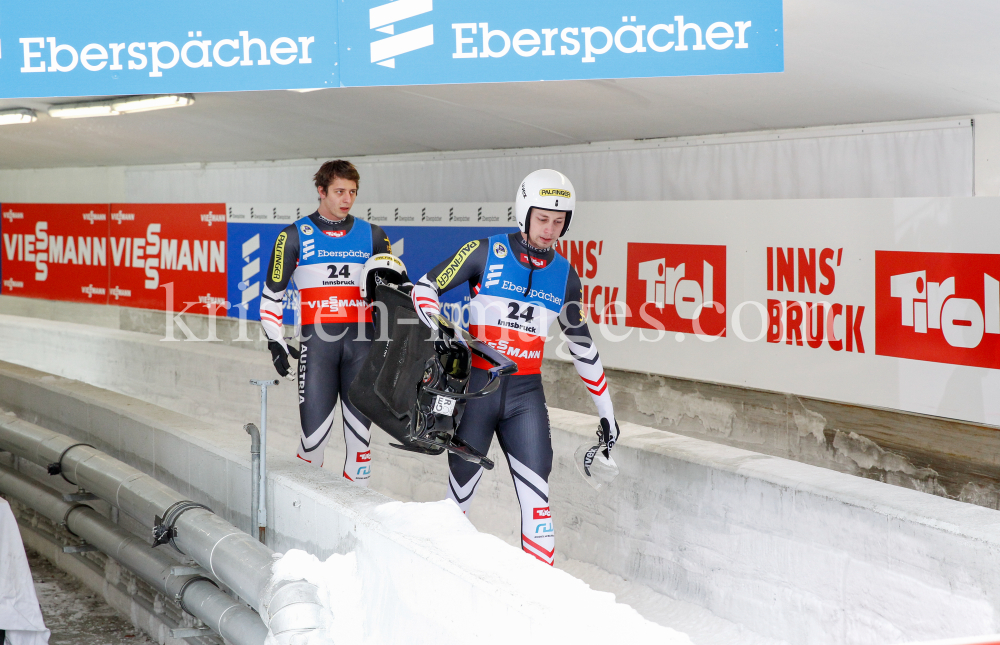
(377, 595)
(700, 624)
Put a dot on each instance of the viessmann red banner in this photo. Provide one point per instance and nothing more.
(168, 256)
(55, 251)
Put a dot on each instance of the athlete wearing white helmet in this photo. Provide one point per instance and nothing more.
(519, 286)
(548, 190)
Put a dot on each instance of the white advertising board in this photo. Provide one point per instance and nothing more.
(891, 303)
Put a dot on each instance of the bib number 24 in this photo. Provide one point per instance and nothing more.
(343, 272)
(515, 312)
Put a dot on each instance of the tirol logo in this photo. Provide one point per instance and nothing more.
(940, 307)
(542, 513)
(364, 457)
(538, 262)
(677, 287)
(335, 233)
(383, 17)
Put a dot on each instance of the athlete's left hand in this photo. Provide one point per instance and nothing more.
(609, 432)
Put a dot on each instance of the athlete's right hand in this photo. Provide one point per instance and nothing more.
(607, 436)
(279, 356)
(595, 462)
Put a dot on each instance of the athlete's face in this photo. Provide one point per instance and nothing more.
(336, 201)
(545, 227)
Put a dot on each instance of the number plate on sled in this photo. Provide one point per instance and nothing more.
(444, 405)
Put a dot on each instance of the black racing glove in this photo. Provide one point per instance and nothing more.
(280, 357)
(607, 436)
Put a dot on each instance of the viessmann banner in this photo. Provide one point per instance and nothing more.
(67, 48)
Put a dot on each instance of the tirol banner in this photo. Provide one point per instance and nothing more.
(55, 251)
(118, 48)
(891, 303)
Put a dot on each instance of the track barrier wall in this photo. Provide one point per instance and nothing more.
(793, 552)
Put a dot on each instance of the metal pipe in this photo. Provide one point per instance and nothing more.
(262, 498)
(255, 475)
(200, 597)
(236, 559)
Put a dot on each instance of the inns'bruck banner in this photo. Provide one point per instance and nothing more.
(67, 48)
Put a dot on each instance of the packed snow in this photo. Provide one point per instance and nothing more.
(377, 595)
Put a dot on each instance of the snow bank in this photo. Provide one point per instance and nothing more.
(371, 596)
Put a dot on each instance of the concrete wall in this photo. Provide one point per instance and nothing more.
(791, 551)
(944, 457)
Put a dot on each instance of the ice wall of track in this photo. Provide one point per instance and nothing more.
(792, 551)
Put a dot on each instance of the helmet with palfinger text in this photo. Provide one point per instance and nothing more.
(545, 189)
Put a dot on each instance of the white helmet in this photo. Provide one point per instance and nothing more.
(547, 189)
(383, 268)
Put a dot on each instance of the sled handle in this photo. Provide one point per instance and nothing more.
(491, 385)
(501, 364)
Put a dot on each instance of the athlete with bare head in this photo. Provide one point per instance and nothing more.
(326, 253)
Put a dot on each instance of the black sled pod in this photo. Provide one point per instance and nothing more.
(414, 384)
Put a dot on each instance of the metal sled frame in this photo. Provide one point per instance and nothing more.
(436, 361)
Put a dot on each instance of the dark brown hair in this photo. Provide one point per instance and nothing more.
(333, 169)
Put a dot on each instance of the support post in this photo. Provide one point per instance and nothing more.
(262, 488)
(254, 433)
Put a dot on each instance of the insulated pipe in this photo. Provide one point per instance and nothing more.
(233, 557)
(228, 618)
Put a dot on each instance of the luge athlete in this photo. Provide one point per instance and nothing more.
(519, 285)
(326, 253)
